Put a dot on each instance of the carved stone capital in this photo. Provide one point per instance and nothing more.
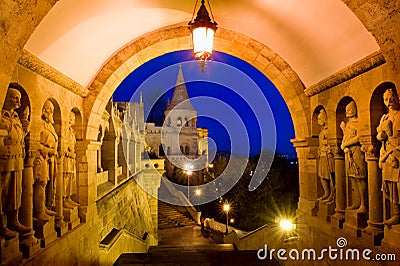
(337, 152)
(299, 143)
(61, 155)
(371, 152)
(30, 158)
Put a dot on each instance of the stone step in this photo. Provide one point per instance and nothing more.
(169, 216)
(223, 254)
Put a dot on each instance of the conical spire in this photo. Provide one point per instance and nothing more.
(180, 94)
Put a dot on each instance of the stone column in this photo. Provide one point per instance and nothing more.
(99, 168)
(28, 243)
(340, 178)
(150, 181)
(308, 178)
(86, 152)
(132, 154)
(59, 221)
(110, 158)
(375, 201)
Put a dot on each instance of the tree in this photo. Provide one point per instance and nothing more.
(277, 195)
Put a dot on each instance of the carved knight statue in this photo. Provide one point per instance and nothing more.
(355, 160)
(12, 153)
(69, 175)
(44, 169)
(326, 161)
(388, 134)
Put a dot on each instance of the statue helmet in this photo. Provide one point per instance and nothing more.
(322, 115)
(351, 109)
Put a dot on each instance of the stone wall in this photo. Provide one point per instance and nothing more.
(126, 208)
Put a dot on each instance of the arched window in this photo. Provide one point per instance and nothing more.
(179, 122)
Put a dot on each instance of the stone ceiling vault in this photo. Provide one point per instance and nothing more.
(316, 38)
(302, 34)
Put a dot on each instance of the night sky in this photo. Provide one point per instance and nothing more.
(235, 101)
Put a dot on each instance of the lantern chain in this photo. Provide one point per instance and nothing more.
(208, 1)
(194, 10)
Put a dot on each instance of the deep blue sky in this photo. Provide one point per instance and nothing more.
(234, 84)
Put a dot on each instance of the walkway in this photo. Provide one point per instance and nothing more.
(182, 242)
(190, 246)
(184, 236)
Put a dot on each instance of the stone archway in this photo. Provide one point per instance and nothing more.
(20, 21)
(177, 38)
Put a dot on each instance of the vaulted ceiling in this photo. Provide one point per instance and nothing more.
(316, 38)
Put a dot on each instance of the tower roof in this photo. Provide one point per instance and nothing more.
(180, 96)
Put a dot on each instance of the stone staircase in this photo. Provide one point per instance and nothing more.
(171, 216)
(209, 255)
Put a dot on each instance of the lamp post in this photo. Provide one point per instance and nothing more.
(188, 172)
(226, 210)
(198, 193)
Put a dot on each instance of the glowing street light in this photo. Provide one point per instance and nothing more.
(198, 193)
(188, 172)
(289, 228)
(286, 225)
(226, 210)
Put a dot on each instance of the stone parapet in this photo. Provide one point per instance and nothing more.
(346, 74)
(34, 64)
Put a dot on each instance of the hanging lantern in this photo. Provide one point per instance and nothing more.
(202, 29)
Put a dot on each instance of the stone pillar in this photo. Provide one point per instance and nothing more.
(308, 179)
(132, 154)
(340, 178)
(59, 219)
(150, 181)
(99, 168)
(28, 243)
(110, 158)
(86, 152)
(375, 200)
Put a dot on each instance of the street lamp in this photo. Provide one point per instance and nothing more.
(188, 172)
(289, 228)
(226, 210)
(198, 193)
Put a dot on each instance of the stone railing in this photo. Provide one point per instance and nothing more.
(254, 240)
(183, 200)
(117, 241)
(221, 227)
(102, 177)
